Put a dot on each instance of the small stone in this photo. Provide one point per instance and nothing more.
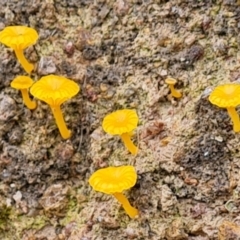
(17, 196)
(165, 141)
(121, 7)
(47, 232)
(103, 87)
(191, 181)
(69, 48)
(7, 108)
(110, 94)
(131, 233)
(8, 202)
(220, 47)
(15, 136)
(157, 64)
(168, 200)
(46, 66)
(190, 40)
(104, 12)
(218, 138)
(64, 152)
(163, 73)
(97, 134)
(54, 199)
(206, 92)
(129, 92)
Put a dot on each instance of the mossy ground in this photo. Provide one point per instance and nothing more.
(120, 52)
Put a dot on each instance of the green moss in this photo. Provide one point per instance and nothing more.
(72, 212)
(5, 213)
(33, 222)
(12, 223)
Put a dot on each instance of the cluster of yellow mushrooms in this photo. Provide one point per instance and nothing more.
(55, 90)
(52, 89)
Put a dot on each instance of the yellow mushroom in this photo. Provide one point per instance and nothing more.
(54, 90)
(171, 82)
(18, 38)
(228, 96)
(122, 122)
(23, 83)
(114, 180)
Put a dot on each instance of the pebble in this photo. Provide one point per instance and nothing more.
(46, 66)
(8, 202)
(110, 94)
(7, 108)
(218, 138)
(69, 48)
(163, 73)
(190, 40)
(206, 92)
(15, 136)
(17, 196)
(103, 87)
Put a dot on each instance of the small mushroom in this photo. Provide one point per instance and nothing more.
(55, 90)
(114, 180)
(228, 96)
(171, 82)
(18, 38)
(23, 83)
(122, 122)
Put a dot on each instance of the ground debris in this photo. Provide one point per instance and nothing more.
(208, 159)
(54, 199)
(120, 52)
(176, 230)
(228, 230)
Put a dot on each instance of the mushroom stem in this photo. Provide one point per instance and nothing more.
(128, 143)
(235, 118)
(175, 93)
(131, 211)
(65, 133)
(28, 67)
(27, 101)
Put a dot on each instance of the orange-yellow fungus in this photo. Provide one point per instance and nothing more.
(228, 96)
(18, 38)
(55, 90)
(122, 122)
(171, 82)
(114, 180)
(23, 83)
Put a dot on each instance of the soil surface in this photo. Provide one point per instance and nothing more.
(120, 53)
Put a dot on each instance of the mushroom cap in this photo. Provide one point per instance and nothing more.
(227, 95)
(22, 82)
(113, 179)
(54, 90)
(18, 37)
(170, 81)
(121, 121)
